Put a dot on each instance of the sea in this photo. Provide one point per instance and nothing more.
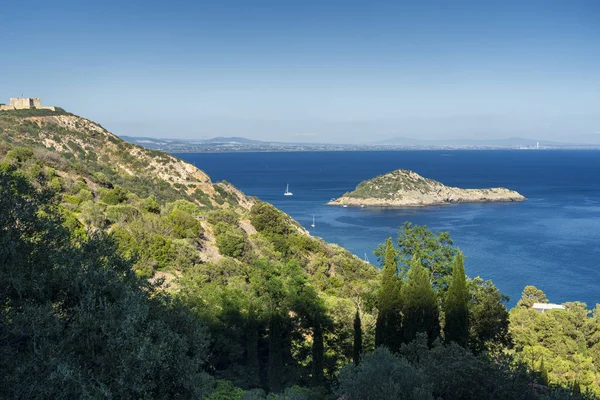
(551, 240)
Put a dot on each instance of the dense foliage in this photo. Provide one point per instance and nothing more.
(139, 287)
(76, 322)
(563, 345)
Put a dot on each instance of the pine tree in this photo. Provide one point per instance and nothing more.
(419, 304)
(317, 356)
(457, 311)
(357, 349)
(388, 330)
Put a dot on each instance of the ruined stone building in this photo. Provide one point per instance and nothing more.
(23, 103)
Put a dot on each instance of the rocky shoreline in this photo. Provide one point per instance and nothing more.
(404, 188)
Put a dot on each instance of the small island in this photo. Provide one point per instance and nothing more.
(404, 188)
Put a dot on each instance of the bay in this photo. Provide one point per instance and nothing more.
(550, 241)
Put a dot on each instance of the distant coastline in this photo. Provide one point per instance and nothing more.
(235, 145)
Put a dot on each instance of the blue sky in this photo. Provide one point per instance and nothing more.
(323, 71)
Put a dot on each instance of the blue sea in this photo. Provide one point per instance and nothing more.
(552, 240)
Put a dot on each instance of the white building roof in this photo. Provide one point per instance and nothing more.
(541, 307)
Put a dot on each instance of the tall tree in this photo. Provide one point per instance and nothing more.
(531, 295)
(275, 368)
(488, 317)
(252, 362)
(419, 304)
(318, 378)
(456, 307)
(388, 329)
(358, 345)
(435, 250)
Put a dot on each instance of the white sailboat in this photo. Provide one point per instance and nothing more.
(366, 258)
(313, 224)
(287, 191)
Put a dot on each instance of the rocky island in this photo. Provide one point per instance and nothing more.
(404, 188)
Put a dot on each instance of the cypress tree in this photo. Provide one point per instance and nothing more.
(252, 363)
(388, 329)
(543, 373)
(317, 356)
(457, 311)
(576, 388)
(357, 349)
(275, 369)
(419, 304)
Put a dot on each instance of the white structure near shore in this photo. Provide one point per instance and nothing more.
(543, 307)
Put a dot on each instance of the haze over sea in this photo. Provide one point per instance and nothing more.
(550, 240)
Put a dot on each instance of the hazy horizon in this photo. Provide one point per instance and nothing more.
(330, 71)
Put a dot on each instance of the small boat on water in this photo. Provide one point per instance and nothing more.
(287, 191)
(345, 206)
(313, 224)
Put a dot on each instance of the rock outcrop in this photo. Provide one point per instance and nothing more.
(404, 188)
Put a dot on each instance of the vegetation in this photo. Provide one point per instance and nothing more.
(456, 319)
(563, 346)
(122, 286)
(387, 186)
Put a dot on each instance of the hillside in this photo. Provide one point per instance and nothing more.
(404, 188)
(82, 153)
(207, 242)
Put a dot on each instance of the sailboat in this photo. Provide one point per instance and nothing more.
(313, 224)
(366, 258)
(287, 191)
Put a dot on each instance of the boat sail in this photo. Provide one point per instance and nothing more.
(287, 191)
(313, 224)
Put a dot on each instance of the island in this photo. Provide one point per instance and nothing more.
(404, 188)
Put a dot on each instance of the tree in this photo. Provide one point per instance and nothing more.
(456, 307)
(419, 305)
(488, 317)
(388, 330)
(543, 373)
(252, 362)
(435, 250)
(383, 375)
(275, 368)
(318, 378)
(358, 346)
(76, 322)
(531, 295)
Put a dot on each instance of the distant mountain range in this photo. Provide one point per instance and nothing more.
(514, 141)
(229, 144)
(167, 141)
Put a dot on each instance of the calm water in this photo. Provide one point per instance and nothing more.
(550, 241)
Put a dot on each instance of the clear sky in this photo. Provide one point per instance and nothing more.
(321, 71)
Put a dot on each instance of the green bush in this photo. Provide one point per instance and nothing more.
(20, 154)
(384, 376)
(227, 216)
(114, 196)
(231, 242)
(184, 225)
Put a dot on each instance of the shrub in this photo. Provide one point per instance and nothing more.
(384, 376)
(20, 154)
(114, 196)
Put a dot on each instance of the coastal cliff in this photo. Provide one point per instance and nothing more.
(404, 188)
